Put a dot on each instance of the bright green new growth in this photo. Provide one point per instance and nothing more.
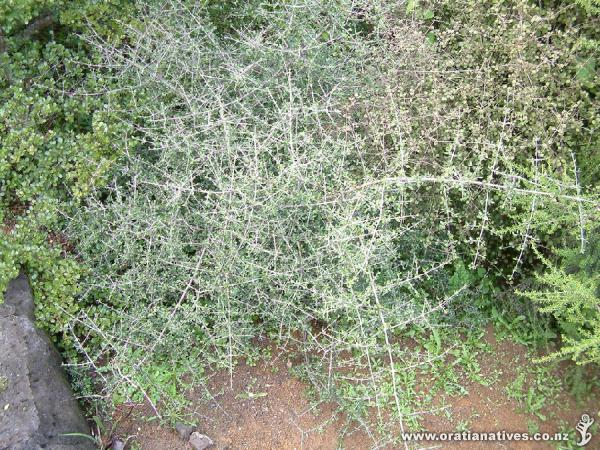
(571, 293)
(591, 6)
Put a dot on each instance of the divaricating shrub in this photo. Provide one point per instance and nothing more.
(317, 173)
(257, 205)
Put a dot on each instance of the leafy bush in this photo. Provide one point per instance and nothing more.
(534, 86)
(571, 293)
(510, 93)
(591, 6)
(57, 140)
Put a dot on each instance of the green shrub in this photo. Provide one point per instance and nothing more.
(57, 140)
(535, 87)
(571, 294)
(591, 6)
(512, 91)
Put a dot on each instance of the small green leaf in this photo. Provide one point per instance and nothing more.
(411, 6)
(587, 71)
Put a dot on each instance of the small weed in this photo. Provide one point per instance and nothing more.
(527, 329)
(569, 428)
(249, 394)
(467, 356)
(515, 389)
(448, 412)
(532, 426)
(580, 386)
(161, 381)
(82, 435)
(266, 353)
(463, 425)
(535, 388)
(253, 357)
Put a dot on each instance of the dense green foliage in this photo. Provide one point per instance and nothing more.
(516, 107)
(571, 293)
(181, 178)
(57, 139)
(535, 86)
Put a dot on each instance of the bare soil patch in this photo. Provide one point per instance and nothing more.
(263, 407)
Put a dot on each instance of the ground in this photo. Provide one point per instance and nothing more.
(262, 406)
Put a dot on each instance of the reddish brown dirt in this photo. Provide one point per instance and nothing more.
(489, 409)
(264, 407)
(261, 407)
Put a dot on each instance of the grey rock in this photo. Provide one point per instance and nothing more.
(199, 441)
(37, 406)
(184, 431)
(117, 444)
(18, 298)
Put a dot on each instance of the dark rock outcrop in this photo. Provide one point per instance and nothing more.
(37, 406)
